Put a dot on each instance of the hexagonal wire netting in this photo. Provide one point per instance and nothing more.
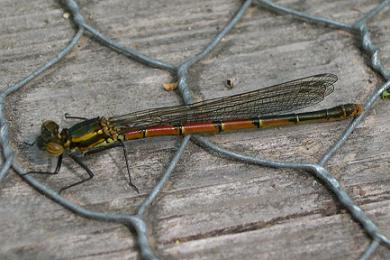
(357, 29)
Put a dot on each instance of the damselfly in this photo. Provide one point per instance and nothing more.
(256, 109)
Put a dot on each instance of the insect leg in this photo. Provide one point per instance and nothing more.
(56, 171)
(68, 116)
(85, 167)
(127, 166)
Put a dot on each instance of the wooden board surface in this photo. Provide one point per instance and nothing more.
(212, 208)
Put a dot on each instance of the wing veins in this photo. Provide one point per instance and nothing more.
(280, 98)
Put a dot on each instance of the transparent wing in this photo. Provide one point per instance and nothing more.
(279, 98)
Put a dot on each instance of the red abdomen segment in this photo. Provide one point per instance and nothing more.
(191, 128)
(333, 114)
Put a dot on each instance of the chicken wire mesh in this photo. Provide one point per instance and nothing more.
(137, 221)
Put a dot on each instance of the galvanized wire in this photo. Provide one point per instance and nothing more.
(136, 221)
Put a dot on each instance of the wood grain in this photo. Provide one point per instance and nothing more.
(212, 208)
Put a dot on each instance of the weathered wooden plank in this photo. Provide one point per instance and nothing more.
(212, 208)
(284, 239)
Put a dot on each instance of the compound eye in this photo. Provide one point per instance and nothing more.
(55, 149)
(49, 129)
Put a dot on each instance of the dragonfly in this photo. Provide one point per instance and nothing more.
(262, 108)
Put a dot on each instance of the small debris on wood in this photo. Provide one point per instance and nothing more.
(230, 83)
(66, 15)
(170, 86)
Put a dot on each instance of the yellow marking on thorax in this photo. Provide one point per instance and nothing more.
(84, 137)
(98, 143)
(67, 143)
(344, 112)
